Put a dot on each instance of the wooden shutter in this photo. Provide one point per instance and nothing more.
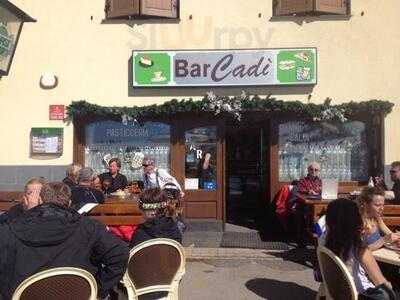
(290, 7)
(159, 8)
(339, 7)
(121, 8)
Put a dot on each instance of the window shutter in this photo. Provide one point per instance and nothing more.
(121, 8)
(290, 7)
(339, 7)
(159, 8)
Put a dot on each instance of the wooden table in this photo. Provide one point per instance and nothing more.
(115, 211)
(118, 211)
(387, 256)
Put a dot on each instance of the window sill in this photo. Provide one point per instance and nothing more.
(310, 18)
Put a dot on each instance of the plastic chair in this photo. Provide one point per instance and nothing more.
(58, 284)
(338, 283)
(157, 265)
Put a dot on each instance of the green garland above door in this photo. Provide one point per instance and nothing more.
(235, 107)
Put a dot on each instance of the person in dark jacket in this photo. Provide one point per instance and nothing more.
(113, 180)
(30, 199)
(160, 218)
(71, 178)
(85, 192)
(51, 235)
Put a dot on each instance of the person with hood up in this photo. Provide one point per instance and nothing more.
(160, 218)
(52, 235)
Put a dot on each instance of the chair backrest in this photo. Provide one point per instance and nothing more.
(154, 265)
(58, 284)
(338, 281)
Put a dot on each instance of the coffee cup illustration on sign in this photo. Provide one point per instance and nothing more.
(158, 76)
(145, 61)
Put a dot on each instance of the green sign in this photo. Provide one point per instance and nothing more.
(6, 41)
(252, 67)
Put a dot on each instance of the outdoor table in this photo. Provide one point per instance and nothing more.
(115, 211)
(387, 256)
(316, 208)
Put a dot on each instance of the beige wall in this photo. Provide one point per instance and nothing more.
(358, 59)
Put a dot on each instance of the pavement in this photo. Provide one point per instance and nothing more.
(234, 273)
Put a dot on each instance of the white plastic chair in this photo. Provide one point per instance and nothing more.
(338, 283)
(157, 265)
(64, 283)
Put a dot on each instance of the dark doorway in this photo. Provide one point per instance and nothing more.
(245, 176)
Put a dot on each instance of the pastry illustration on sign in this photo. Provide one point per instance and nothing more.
(303, 73)
(287, 65)
(158, 77)
(303, 56)
(145, 61)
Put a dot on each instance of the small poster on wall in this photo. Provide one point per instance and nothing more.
(47, 140)
(191, 184)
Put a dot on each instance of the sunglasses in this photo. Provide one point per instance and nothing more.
(393, 171)
(143, 165)
(312, 169)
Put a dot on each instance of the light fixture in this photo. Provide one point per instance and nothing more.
(48, 80)
(11, 20)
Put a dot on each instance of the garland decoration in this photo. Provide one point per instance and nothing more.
(235, 107)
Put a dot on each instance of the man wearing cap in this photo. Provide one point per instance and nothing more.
(85, 192)
(157, 178)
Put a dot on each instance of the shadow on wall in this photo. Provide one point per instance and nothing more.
(279, 290)
(186, 92)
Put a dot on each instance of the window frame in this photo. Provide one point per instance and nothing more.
(309, 12)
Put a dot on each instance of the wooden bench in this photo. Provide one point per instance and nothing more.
(391, 215)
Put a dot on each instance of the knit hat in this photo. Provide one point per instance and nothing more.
(85, 174)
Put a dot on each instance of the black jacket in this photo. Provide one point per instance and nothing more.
(49, 236)
(81, 195)
(118, 183)
(164, 227)
(11, 214)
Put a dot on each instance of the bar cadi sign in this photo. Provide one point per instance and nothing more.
(291, 66)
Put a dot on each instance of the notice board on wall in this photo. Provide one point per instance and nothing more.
(47, 140)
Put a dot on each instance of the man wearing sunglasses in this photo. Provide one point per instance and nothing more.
(311, 184)
(154, 177)
(394, 194)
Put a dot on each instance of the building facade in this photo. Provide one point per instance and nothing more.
(82, 50)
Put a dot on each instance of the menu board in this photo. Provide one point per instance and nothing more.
(46, 140)
(340, 148)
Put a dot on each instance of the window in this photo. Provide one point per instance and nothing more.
(314, 7)
(142, 8)
(340, 148)
(200, 158)
(130, 143)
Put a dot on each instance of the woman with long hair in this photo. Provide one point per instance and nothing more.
(159, 214)
(375, 233)
(344, 238)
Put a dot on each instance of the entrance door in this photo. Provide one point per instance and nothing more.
(199, 165)
(246, 176)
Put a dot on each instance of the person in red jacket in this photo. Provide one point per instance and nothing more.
(311, 184)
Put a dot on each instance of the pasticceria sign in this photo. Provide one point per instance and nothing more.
(290, 66)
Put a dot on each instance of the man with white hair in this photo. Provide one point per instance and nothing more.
(311, 184)
(154, 177)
